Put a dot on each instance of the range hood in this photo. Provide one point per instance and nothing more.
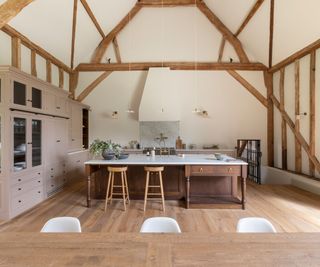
(160, 99)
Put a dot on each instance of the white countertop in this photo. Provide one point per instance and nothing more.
(167, 160)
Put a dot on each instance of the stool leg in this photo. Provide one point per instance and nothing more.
(161, 188)
(111, 190)
(123, 191)
(107, 194)
(146, 191)
(127, 188)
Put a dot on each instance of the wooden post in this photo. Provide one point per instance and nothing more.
(283, 122)
(61, 78)
(33, 63)
(73, 83)
(16, 52)
(271, 32)
(268, 80)
(298, 161)
(49, 72)
(312, 108)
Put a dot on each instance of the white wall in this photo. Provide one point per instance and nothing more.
(233, 112)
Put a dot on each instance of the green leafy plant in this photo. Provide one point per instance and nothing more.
(98, 146)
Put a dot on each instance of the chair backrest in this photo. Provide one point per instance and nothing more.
(255, 225)
(62, 225)
(160, 225)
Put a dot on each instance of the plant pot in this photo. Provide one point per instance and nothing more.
(107, 155)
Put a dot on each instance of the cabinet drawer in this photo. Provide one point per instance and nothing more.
(226, 170)
(22, 188)
(54, 184)
(16, 180)
(26, 201)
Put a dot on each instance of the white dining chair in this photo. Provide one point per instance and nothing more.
(255, 225)
(62, 225)
(160, 225)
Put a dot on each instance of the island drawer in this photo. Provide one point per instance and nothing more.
(205, 170)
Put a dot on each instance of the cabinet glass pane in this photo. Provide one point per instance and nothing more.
(36, 143)
(19, 93)
(19, 144)
(36, 98)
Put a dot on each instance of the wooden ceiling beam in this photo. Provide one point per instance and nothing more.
(301, 53)
(271, 30)
(93, 85)
(11, 8)
(102, 47)
(92, 17)
(165, 3)
(40, 51)
(251, 89)
(74, 27)
(227, 34)
(252, 12)
(140, 66)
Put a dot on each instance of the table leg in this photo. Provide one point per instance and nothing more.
(187, 192)
(243, 192)
(89, 191)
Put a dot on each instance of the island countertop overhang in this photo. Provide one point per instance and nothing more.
(167, 160)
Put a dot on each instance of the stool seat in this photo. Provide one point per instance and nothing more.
(117, 169)
(124, 185)
(151, 170)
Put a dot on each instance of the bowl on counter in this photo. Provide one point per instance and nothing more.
(108, 155)
(123, 156)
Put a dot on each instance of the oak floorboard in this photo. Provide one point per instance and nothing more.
(290, 209)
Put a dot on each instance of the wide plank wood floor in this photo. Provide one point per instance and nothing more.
(290, 209)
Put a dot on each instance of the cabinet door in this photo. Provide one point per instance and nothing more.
(20, 146)
(20, 93)
(36, 98)
(36, 133)
(61, 139)
(76, 127)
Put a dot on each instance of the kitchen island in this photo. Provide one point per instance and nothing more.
(198, 179)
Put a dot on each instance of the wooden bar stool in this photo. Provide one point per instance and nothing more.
(111, 185)
(153, 170)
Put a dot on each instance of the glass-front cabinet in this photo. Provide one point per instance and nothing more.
(26, 96)
(27, 142)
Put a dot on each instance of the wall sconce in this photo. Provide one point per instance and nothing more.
(298, 116)
(114, 114)
(130, 111)
(201, 112)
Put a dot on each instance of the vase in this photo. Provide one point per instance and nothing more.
(107, 155)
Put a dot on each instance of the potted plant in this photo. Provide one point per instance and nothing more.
(107, 149)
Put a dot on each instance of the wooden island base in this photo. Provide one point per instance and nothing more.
(200, 186)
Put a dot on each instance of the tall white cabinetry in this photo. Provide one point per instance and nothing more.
(35, 122)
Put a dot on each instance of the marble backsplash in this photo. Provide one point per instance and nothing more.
(150, 130)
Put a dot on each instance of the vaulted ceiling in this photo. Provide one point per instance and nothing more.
(159, 34)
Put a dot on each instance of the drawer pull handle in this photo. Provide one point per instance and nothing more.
(39, 192)
(39, 181)
(19, 189)
(19, 180)
(52, 185)
(51, 176)
(19, 201)
(230, 170)
(78, 161)
(201, 170)
(51, 169)
(39, 173)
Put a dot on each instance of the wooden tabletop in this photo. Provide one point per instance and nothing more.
(134, 249)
